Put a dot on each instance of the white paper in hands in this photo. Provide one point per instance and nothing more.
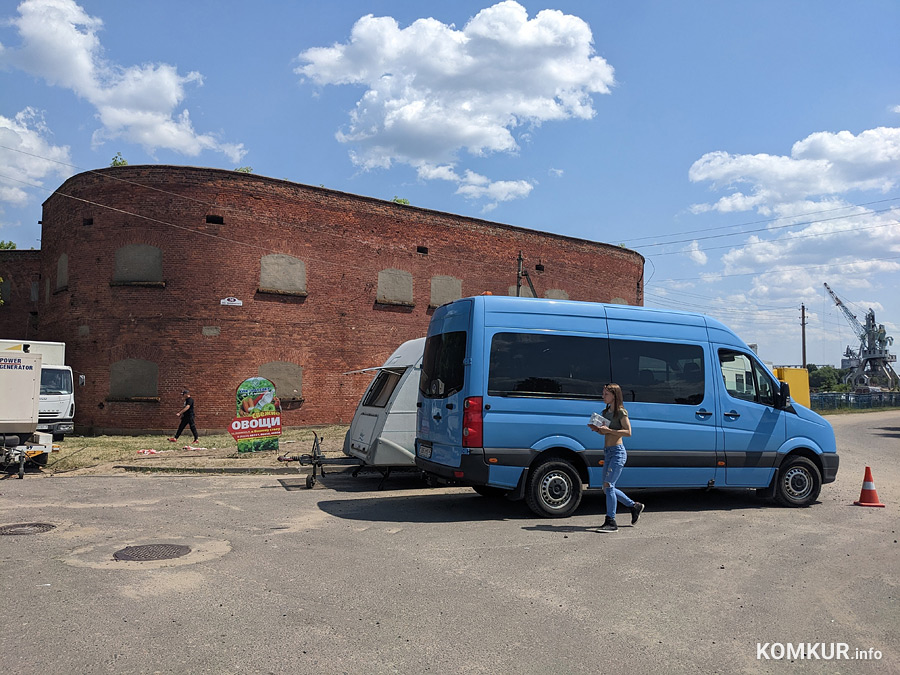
(598, 420)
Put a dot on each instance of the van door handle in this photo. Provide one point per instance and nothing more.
(733, 415)
(449, 406)
(438, 417)
(703, 413)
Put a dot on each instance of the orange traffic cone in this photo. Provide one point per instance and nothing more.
(868, 496)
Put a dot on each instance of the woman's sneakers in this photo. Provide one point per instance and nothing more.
(636, 512)
(609, 525)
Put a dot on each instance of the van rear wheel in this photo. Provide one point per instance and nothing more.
(554, 489)
(798, 482)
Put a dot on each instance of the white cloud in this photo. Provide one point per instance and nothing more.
(694, 253)
(32, 158)
(432, 91)
(823, 163)
(138, 103)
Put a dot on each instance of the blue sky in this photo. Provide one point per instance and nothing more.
(750, 151)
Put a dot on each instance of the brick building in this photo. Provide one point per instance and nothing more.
(161, 277)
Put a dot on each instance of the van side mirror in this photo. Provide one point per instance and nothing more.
(783, 399)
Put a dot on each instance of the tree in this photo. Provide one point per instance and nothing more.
(118, 160)
(5, 246)
(244, 169)
(400, 200)
(824, 378)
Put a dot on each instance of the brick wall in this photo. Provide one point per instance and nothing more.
(18, 314)
(344, 240)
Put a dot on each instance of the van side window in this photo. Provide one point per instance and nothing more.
(745, 378)
(380, 392)
(541, 365)
(443, 370)
(658, 372)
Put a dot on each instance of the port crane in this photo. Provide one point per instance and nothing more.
(871, 363)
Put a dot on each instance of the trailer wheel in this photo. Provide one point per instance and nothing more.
(554, 489)
(798, 482)
(310, 482)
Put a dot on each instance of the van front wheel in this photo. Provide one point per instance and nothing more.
(798, 482)
(554, 489)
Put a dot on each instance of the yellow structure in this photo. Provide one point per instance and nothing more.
(798, 379)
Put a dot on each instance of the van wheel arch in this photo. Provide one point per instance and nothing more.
(574, 458)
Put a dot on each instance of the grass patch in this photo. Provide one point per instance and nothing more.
(853, 411)
(84, 452)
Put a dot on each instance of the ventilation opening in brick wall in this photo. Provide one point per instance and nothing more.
(422, 249)
(87, 221)
(215, 220)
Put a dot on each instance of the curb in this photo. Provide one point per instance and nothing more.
(254, 470)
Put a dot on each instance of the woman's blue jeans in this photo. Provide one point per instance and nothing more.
(614, 458)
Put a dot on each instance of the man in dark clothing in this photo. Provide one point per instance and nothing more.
(187, 417)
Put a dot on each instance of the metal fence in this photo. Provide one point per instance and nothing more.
(833, 401)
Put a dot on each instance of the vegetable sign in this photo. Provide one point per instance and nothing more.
(257, 424)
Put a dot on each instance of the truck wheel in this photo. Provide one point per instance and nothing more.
(554, 489)
(58, 437)
(489, 491)
(798, 482)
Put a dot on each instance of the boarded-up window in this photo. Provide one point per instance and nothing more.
(395, 287)
(282, 274)
(444, 290)
(287, 378)
(524, 291)
(133, 378)
(35, 291)
(62, 272)
(556, 294)
(138, 264)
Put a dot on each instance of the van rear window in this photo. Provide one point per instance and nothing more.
(443, 370)
(658, 372)
(541, 365)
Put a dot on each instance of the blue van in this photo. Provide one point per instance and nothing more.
(508, 385)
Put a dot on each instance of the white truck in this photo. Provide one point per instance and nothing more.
(20, 386)
(57, 397)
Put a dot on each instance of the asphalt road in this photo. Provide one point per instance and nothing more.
(348, 579)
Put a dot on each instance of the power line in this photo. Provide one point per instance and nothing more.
(786, 238)
(768, 220)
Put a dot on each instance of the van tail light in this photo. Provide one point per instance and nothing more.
(473, 423)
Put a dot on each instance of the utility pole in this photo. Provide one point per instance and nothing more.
(522, 272)
(803, 330)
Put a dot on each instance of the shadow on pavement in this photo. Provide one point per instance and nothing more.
(891, 432)
(368, 480)
(440, 506)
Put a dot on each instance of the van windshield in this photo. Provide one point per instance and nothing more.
(443, 370)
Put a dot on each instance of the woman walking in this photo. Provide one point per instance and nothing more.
(614, 456)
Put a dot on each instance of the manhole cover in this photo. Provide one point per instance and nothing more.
(152, 552)
(26, 528)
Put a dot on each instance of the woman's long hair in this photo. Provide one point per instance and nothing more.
(618, 400)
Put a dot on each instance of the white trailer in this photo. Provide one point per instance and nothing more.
(20, 385)
(57, 397)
